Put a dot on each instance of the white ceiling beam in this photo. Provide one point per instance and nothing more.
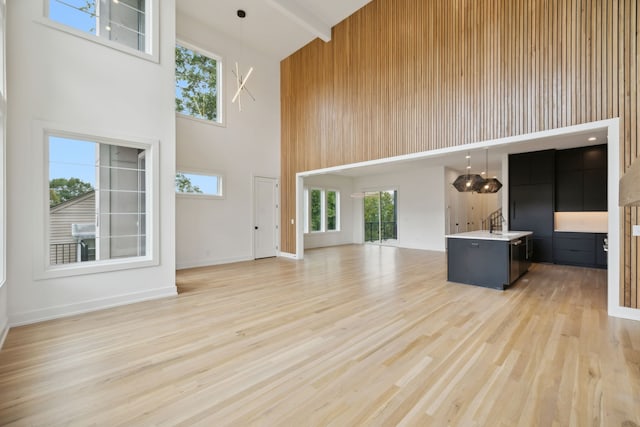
(303, 17)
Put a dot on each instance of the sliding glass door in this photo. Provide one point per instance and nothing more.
(380, 217)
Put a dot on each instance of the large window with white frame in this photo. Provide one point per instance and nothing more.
(322, 210)
(99, 203)
(198, 83)
(121, 22)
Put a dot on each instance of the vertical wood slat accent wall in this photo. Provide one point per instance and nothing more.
(405, 76)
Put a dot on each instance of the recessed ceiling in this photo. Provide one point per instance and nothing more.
(274, 27)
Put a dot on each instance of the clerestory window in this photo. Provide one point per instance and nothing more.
(198, 78)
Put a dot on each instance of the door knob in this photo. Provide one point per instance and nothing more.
(256, 227)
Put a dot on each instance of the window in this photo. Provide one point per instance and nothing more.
(332, 210)
(199, 184)
(198, 84)
(98, 201)
(316, 210)
(124, 22)
(322, 210)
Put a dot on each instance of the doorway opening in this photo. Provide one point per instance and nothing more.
(381, 217)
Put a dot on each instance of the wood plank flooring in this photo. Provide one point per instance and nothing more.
(353, 335)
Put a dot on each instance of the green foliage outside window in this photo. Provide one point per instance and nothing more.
(196, 84)
(331, 211)
(379, 212)
(184, 185)
(63, 189)
(316, 210)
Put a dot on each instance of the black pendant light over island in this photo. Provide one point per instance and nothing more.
(469, 181)
(490, 185)
(473, 182)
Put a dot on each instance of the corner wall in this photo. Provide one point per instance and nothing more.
(56, 77)
(220, 231)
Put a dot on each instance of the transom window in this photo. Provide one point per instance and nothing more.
(198, 84)
(98, 206)
(322, 210)
(125, 22)
(199, 184)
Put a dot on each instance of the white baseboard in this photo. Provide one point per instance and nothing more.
(50, 313)
(4, 330)
(287, 255)
(625, 313)
(209, 262)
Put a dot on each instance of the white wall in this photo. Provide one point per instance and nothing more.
(218, 231)
(421, 205)
(4, 309)
(346, 234)
(4, 315)
(60, 78)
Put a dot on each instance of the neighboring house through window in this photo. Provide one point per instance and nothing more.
(97, 201)
(198, 78)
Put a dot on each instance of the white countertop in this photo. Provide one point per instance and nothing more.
(506, 235)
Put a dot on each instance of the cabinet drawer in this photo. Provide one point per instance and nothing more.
(574, 248)
(583, 243)
(574, 257)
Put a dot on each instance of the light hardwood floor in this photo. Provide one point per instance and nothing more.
(354, 335)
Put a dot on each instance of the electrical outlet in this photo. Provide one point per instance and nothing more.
(636, 230)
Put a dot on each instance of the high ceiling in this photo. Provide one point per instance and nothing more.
(278, 28)
(275, 27)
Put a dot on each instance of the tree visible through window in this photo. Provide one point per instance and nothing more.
(322, 210)
(332, 211)
(199, 184)
(380, 213)
(97, 201)
(197, 80)
(316, 210)
(63, 189)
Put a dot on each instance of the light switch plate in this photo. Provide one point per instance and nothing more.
(636, 230)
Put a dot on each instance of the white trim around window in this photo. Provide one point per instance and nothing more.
(221, 105)
(324, 205)
(220, 178)
(152, 34)
(40, 199)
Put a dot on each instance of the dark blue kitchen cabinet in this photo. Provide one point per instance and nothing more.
(531, 199)
(581, 179)
(579, 249)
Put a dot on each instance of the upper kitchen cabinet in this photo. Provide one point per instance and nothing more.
(531, 168)
(581, 179)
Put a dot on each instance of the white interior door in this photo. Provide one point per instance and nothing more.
(265, 237)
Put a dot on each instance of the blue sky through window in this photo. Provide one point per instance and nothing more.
(72, 158)
(207, 183)
(68, 12)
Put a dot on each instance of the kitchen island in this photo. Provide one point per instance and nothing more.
(493, 260)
